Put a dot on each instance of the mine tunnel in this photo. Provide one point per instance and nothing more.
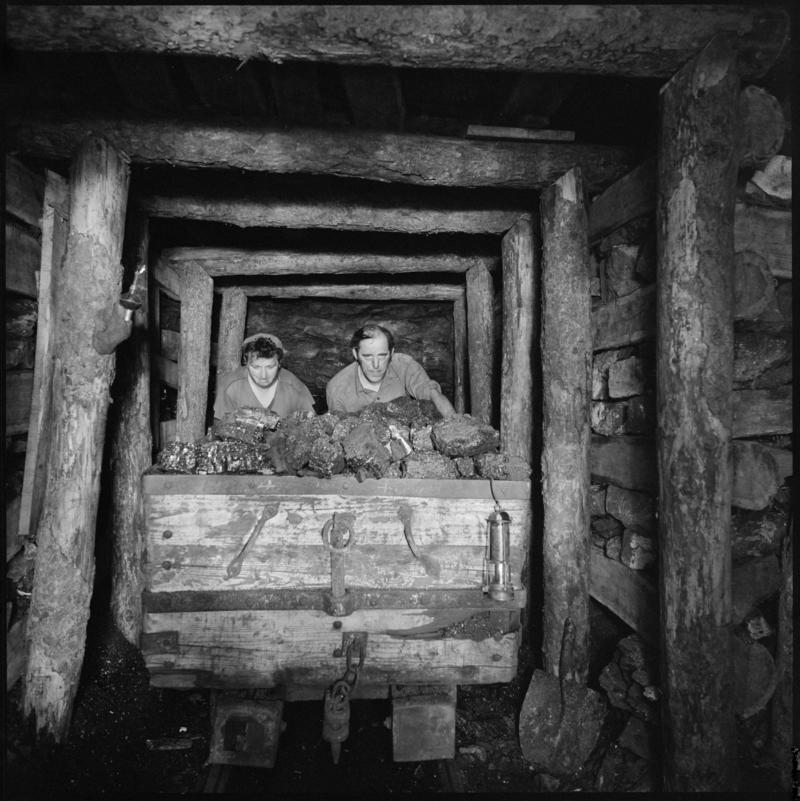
(578, 228)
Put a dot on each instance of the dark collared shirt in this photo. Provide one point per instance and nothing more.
(404, 376)
(234, 392)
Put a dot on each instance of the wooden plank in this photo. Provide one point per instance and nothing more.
(156, 483)
(226, 86)
(480, 343)
(396, 158)
(165, 370)
(520, 134)
(365, 210)
(54, 244)
(22, 260)
(24, 192)
(566, 347)
(223, 262)
(19, 390)
(375, 96)
(170, 345)
(629, 594)
(762, 412)
(394, 291)
(197, 298)
(520, 329)
(167, 432)
(767, 232)
(595, 40)
(171, 351)
(631, 196)
(16, 652)
(295, 89)
(628, 462)
(460, 353)
(626, 320)
(146, 82)
(267, 649)
(696, 196)
(208, 531)
(167, 276)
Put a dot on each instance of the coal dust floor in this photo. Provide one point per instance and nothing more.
(116, 713)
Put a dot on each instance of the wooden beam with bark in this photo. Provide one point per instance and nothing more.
(460, 367)
(391, 292)
(131, 447)
(566, 393)
(696, 195)
(232, 321)
(596, 39)
(405, 210)
(88, 284)
(480, 342)
(389, 157)
(520, 329)
(197, 297)
(231, 262)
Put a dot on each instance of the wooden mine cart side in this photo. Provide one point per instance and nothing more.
(414, 561)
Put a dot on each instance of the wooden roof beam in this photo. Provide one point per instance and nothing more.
(364, 292)
(398, 158)
(225, 262)
(626, 40)
(413, 212)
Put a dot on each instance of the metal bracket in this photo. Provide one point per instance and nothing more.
(356, 639)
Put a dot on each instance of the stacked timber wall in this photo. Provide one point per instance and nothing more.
(624, 572)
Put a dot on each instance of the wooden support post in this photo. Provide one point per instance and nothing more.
(566, 388)
(520, 321)
(696, 191)
(131, 447)
(232, 318)
(89, 283)
(480, 340)
(460, 355)
(197, 298)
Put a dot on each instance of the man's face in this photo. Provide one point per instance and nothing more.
(264, 372)
(373, 357)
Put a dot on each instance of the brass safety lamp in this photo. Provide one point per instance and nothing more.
(497, 556)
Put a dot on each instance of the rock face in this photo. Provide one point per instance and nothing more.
(463, 435)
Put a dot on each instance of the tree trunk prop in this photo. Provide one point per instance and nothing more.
(89, 281)
(520, 321)
(131, 450)
(697, 182)
(566, 383)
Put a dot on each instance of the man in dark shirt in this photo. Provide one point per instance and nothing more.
(379, 374)
(262, 382)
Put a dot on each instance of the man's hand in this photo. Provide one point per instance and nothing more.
(443, 406)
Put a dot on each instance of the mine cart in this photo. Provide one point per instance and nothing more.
(331, 590)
